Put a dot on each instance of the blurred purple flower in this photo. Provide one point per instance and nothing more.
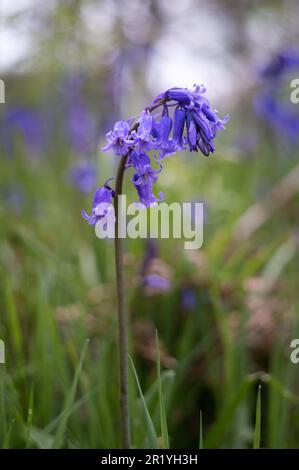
(80, 126)
(283, 116)
(28, 122)
(156, 282)
(155, 274)
(14, 197)
(188, 298)
(282, 62)
(83, 175)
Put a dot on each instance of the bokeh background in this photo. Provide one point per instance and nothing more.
(225, 314)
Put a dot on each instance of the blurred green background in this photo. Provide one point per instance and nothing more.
(226, 313)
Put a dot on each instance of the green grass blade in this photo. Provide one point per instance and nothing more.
(164, 429)
(14, 326)
(258, 415)
(200, 431)
(224, 421)
(30, 415)
(69, 401)
(152, 436)
(3, 417)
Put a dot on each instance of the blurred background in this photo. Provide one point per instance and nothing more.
(225, 314)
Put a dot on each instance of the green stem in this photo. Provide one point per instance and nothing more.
(122, 308)
(122, 315)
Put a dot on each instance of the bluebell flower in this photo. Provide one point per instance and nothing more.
(163, 143)
(142, 137)
(29, 122)
(178, 127)
(156, 283)
(155, 274)
(202, 122)
(193, 124)
(84, 176)
(188, 298)
(143, 182)
(282, 115)
(81, 127)
(101, 206)
(14, 197)
(118, 138)
(283, 61)
(140, 161)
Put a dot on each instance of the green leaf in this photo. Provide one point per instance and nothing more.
(163, 420)
(152, 435)
(219, 428)
(70, 398)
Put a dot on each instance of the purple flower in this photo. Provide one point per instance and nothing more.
(193, 124)
(30, 124)
(157, 283)
(139, 161)
(81, 127)
(14, 197)
(155, 274)
(80, 124)
(142, 137)
(283, 61)
(84, 176)
(178, 126)
(118, 138)
(202, 122)
(282, 116)
(163, 143)
(188, 298)
(143, 182)
(101, 206)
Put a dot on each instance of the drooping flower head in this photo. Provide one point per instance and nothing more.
(175, 120)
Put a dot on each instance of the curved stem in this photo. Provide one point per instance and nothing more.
(122, 314)
(122, 308)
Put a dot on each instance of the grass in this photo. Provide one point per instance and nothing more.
(195, 385)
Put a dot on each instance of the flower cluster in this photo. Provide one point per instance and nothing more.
(176, 120)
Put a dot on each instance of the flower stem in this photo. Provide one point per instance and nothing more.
(122, 308)
(122, 315)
